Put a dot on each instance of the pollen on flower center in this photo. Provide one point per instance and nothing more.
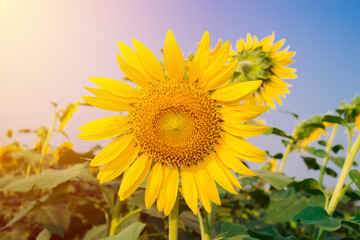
(175, 124)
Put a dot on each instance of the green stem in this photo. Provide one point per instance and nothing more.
(115, 218)
(209, 221)
(326, 158)
(201, 224)
(123, 219)
(46, 143)
(344, 173)
(173, 221)
(286, 153)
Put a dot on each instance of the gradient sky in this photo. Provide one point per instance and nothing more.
(49, 49)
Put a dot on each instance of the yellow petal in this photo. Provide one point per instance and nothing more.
(104, 95)
(277, 45)
(105, 128)
(107, 104)
(173, 58)
(161, 197)
(149, 60)
(189, 188)
(243, 130)
(172, 188)
(118, 88)
(283, 73)
(229, 159)
(153, 185)
(207, 183)
(134, 176)
(241, 113)
(112, 150)
(228, 172)
(117, 166)
(133, 60)
(255, 43)
(236, 92)
(218, 62)
(201, 192)
(248, 42)
(239, 46)
(221, 76)
(244, 149)
(216, 172)
(133, 74)
(201, 58)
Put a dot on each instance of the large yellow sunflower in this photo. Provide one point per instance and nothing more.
(261, 60)
(181, 129)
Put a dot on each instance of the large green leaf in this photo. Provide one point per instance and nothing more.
(50, 178)
(317, 216)
(27, 207)
(132, 232)
(276, 179)
(271, 233)
(285, 205)
(55, 218)
(355, 177)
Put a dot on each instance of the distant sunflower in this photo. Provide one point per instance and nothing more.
(261, 60)
(310, 130)
(186, 126)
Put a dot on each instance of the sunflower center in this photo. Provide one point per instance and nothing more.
(176, 124)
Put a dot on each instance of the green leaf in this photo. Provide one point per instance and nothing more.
(285, 205)
(337, 148)
(55, 218)
(317, 216)
(336, 119)
(277, 131)
(316, 152)
(310, 185)
(355, 177)
(44, 235)
(271, 234)
(338, 161)
(296, 116)
(96, 232)
(311, 163)
(27, 207)
(322, 142)
(276, 179)
(278, 156)
(50, 178)
(330, 172)
(132, 232)
(353, 223)
(233, 231)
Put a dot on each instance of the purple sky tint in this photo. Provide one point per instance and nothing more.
(49, 49)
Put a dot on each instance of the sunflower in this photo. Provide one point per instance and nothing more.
(183, 126)
(261, 60)
(310, 130)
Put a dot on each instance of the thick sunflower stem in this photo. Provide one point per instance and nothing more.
(286, 153)
(46, 143)
(326, 158)
(173, 221)
(115, 218)
(344, 173)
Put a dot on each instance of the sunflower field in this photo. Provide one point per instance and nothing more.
(177, 165)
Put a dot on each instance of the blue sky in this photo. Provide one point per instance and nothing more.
(49, 49)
